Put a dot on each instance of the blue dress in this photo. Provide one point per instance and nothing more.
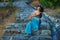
(32, 25)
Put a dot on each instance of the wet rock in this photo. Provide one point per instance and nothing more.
(44, 25)
(5, 38)
(45, 33)
(2, 4)
(58, 34)
(18, 24)
(40, 38)
(34, 38)
(20, 37)
(24, 14)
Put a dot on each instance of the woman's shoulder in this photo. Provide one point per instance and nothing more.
(36, 11)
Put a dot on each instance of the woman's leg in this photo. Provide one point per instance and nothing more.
(28, 28)
(36, 27)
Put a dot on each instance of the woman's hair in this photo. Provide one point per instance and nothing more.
(40, 15)
(41, 9)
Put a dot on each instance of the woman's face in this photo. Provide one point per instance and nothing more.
(38, 8)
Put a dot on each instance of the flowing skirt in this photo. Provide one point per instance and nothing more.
(32, 25)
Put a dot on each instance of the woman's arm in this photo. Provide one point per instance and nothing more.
(33, 15)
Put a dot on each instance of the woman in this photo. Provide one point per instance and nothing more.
(35, 20)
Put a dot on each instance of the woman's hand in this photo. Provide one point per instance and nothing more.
(33, 15)
(29, 18)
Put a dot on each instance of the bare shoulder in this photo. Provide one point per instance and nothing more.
(37, 13)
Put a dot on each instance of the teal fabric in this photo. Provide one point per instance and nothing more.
(32, 25)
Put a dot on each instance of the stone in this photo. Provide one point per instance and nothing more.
(26, 12)
(20, 37)
(45, 25)
(34, 38)
(45, 33)
(40, 38)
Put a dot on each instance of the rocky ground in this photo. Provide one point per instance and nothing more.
(53, 12)
(6, 16)
(15, 30)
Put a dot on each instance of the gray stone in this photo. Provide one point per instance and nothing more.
(45, 33)
(40, 38)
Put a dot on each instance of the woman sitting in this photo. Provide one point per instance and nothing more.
(35, 20)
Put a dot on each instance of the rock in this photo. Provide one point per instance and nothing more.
(45, 33)
(40, 38)
(6, 30)
(58, 34)
(24, 14)
(44, 25)
(5, 38)
(34, 38)
(20, 37)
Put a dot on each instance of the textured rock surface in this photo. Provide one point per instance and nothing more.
(25, 12)
(15, 28)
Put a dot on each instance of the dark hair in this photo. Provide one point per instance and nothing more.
(41, 12)
(41, 9)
